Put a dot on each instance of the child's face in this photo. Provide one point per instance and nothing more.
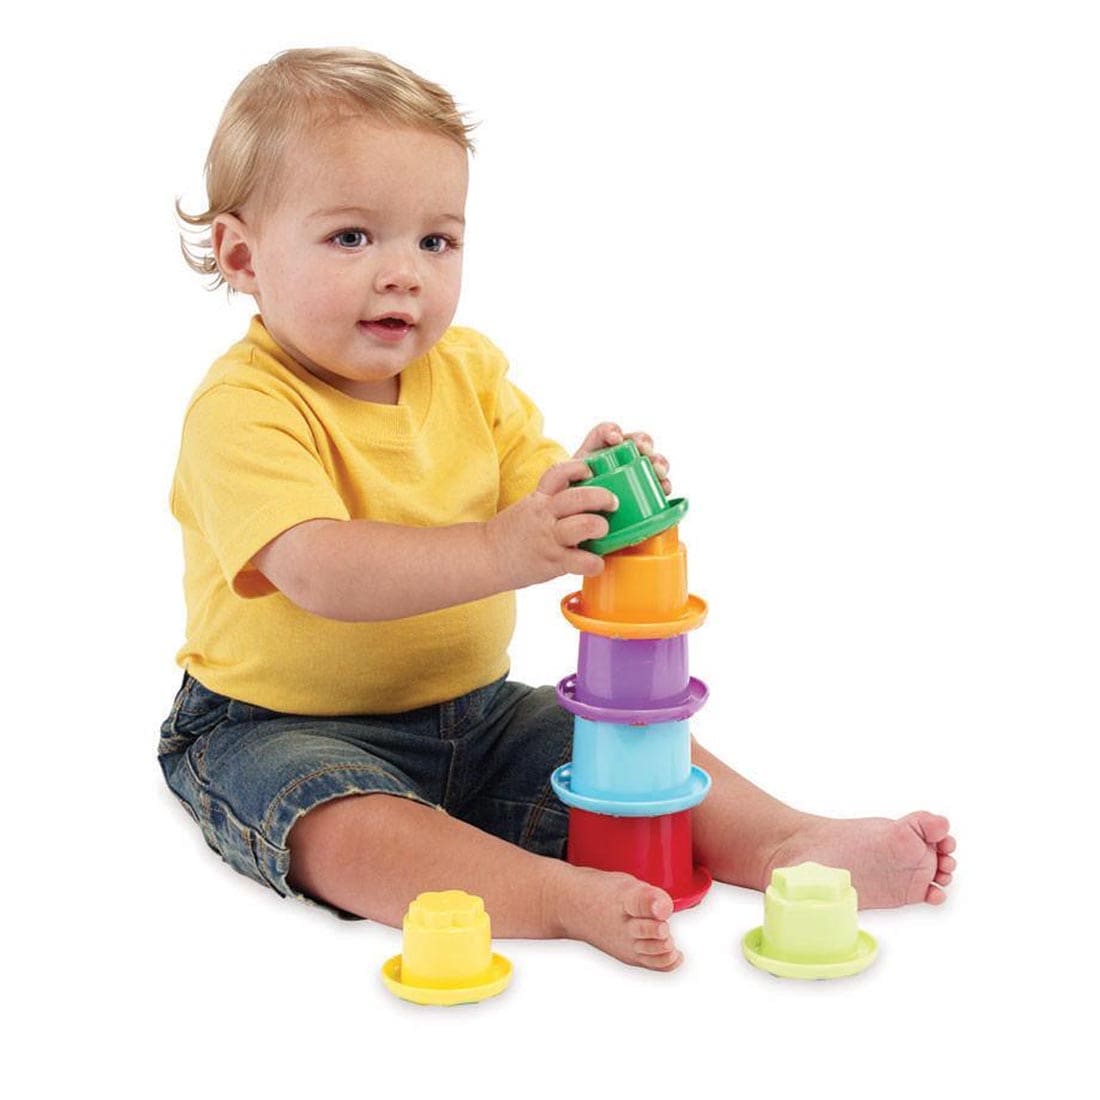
(356, 267)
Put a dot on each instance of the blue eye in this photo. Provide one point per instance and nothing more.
(349, 238)
(436, 242)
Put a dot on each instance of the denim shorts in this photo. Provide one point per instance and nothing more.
(246, 774)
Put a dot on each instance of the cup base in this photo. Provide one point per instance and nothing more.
(690, 895)
(500, 974)
(866, 952)
(701, 882)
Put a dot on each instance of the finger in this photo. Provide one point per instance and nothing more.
(573, 530)
(643, 440)
(660, 468)
(605, 434)
(590, 499)
(563, 475)
(581, 563)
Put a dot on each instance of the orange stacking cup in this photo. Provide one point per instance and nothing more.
(641, 593)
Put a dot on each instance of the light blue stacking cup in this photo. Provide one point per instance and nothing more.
(627, 763)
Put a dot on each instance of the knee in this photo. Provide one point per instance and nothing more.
(323, 826)
(324, 836)
(344, 830)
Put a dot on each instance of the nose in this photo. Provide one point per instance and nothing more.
(398, 270)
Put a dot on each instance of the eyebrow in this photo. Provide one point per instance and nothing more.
(332, 211)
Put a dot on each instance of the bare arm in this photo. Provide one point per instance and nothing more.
(363, 571)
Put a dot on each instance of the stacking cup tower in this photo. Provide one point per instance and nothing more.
(631, 786)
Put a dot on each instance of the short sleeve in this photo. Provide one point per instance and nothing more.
(248, 470)
(524, 453)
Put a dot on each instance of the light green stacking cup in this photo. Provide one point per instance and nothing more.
(811, 927)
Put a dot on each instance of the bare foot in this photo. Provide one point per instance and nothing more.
(892, 862)
(619, 914)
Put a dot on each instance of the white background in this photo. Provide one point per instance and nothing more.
(841, 260)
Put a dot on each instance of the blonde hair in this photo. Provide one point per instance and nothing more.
(294, 90)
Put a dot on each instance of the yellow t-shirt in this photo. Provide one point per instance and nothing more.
(266, 445)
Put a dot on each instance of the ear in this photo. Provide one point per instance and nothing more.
(230, 240)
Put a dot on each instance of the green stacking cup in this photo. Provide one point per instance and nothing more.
(811, 927)
(644, 510)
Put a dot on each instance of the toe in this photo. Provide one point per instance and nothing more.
(650, 930)
(932, 827)
(648, 901)
(935, 895)
(655, 948)
(667, 961)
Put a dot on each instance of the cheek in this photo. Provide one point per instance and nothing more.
(306, 308)
(334, 292)
(449, 287)
(299, 273)
(321, 299)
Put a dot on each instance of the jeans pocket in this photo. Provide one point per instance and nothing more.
(234, 841)
(195, 712)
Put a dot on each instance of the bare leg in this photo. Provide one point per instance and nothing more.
(741, 833)
(372, 854)
(738, 827)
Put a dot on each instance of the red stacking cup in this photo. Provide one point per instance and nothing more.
(657, 850)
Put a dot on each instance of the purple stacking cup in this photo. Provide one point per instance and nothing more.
(632, 673)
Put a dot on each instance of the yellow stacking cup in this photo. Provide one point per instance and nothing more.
(447, 955)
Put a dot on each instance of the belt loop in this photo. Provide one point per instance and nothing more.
(447, 720)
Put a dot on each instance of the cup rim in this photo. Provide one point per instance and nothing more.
(500, 974)
(695, 790)
(866, 952)
(691, 619)
(638, 532)
(678, 710)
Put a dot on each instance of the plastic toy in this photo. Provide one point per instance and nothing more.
(631, 785)
(621, 762)
(641, 593)
(643, 510)
(811, 928)
(655, 849)
(447, 956)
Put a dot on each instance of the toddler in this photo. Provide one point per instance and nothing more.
(361, 489)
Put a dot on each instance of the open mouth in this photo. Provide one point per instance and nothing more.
(391, 327)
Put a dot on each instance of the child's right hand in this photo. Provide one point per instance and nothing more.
(536, 538)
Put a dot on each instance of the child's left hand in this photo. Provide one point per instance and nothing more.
(608, 434)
